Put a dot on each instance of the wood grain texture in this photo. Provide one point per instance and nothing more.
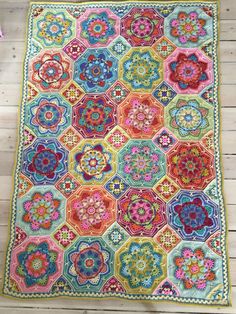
(13, 14)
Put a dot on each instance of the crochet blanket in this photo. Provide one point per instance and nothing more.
(118, 184)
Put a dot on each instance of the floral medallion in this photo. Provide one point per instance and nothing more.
(94, 116)
(142, 27)
(88, 264)
(92, 161)
(196, 269)
(141, 116)
(36, 264)
(188, 27)
(54, 29)
(188, 117)
(190, 165)
(193, 215)
(97, 27)
(46, 162)
(96, 70)
(141, 163)
(188, 71)
(141, 212)
(40, 210)
(48, 116)
(50, 71)
(140, 70)
(90, 211)
(141, 265)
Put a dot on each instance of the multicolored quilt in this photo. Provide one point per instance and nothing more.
(118, 185)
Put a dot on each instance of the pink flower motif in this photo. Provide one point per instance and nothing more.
(148, 177)
(155, 157)
(187, 253)
(193, 15)
(179, 273)
(201, 285)
(146, 149)
(136, 176)
(127, 169)
(91, 211)
(135, 150)
(209, 263)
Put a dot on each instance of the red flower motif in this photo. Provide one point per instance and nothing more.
(50, 71)
(191, 165)
(188, 71)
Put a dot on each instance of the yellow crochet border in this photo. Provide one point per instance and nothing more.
(111, 297)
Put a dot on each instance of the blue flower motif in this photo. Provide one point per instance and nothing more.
(98, 28)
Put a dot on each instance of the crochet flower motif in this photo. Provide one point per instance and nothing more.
(94, 116)
(89, 263)
(50, 71)
(193, 215)
(54, 28)
(194, 269)
(140, 70)
(141, 265)
(191, 165)
(93, 162)
(49, 116)
(142, 27)
(141, 163)
(141, 116)
(189, 118)
(45, 162)
(91, 211)
(188, 27)
(141, 212)
(41, 211)
(36, 264)
(96, 70)
(188, 71)
(98, 28)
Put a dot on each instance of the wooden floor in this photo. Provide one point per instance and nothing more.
(13, 22)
